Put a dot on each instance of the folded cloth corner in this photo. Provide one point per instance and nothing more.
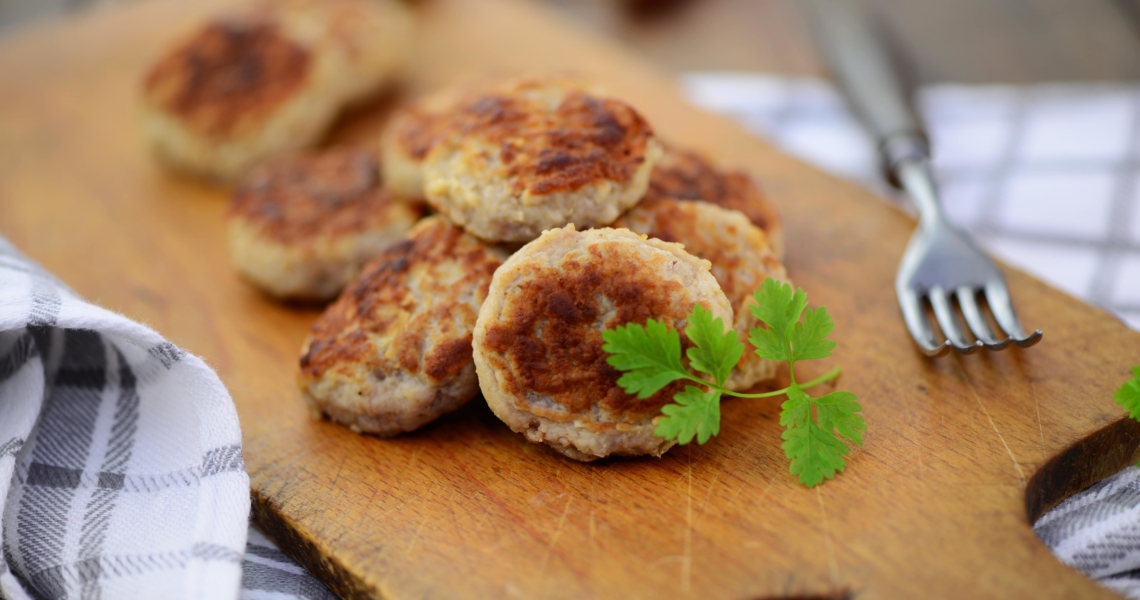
(121, 470)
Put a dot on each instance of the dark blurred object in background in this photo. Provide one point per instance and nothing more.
(648, 9)
(969, 41)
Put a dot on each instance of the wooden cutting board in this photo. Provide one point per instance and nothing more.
(961, 453)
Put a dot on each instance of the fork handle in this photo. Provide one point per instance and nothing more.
(914, 175)
(873, 80)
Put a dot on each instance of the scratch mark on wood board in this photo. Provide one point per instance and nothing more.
(415, 455)
(416, 535)
(981, 405)
(687, 563)
(557, 534)
(921, 471)
(832, 563)
(764, 494)
(1037, 408)
(708, 494)
(339, 471)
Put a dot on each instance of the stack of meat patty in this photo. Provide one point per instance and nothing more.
(558, 215)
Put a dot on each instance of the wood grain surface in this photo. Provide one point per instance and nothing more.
(960, 455)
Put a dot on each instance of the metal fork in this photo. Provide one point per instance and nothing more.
(941, 264)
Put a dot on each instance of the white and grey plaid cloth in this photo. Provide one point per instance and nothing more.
(121, 473)
(1047, 178)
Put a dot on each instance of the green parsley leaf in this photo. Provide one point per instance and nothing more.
(810, 423)
(812, 445)
(837, 410)
(696, 413)
(816, 454)
(778, 306)
(796, 410)
(1128, 396)
(809, 337)
(715, 351)
(769, 344)
(650, 355)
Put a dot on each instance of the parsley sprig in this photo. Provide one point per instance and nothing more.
(1128, 395)
(650, 357)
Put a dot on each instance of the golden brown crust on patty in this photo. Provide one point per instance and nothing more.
(229, 75)
(268, 79)
(686, 175)
(334, 192)
(736, 248)
(584, 140)
(407, 137)
(432, 274)
(394, 351)
(416, 129)
(302, 227)
(741, 258)
(508, 160)
(550, 339)
(538, 342)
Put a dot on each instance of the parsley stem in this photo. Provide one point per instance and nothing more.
(828, 376)
(764, 395)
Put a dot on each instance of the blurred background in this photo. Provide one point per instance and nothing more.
(965, 41)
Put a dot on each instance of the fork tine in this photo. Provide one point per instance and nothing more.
(944, 313)
(968, 300)
(997, 296)
(916, 322)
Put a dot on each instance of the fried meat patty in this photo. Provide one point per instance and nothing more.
(259, 83)
(741, 258)
(302, 226)
(538, 341)
(394, 351)
(509, 160)
(687, 175)
(408, 136)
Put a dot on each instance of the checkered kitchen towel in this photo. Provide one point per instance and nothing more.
(1047, 178)
(121, 473)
